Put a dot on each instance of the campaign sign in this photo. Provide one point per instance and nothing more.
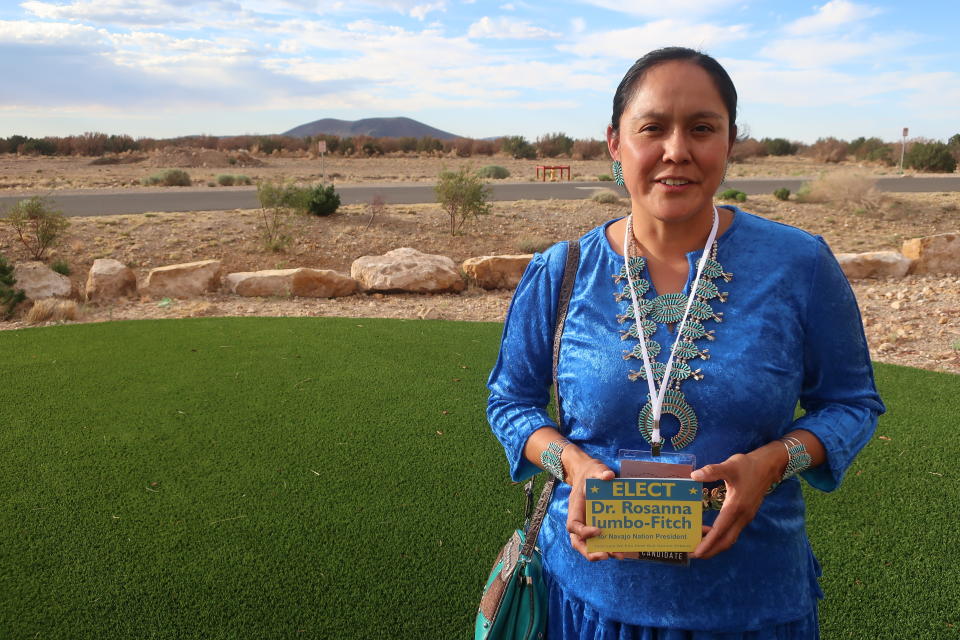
(644, 514)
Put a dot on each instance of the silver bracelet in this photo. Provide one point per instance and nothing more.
(550, 458)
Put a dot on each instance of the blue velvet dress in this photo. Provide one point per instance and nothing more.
(791, 331)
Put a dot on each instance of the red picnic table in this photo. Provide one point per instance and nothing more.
(553, 171)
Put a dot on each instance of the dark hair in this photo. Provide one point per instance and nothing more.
(728, 93)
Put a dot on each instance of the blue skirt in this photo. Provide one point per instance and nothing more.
(572, 619)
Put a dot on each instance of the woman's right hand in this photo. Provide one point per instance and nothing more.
(578, 471)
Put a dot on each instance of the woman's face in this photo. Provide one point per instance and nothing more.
(673, 142)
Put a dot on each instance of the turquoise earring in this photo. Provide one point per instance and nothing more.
(618, 173)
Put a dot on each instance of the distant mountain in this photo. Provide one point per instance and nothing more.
(376, 127)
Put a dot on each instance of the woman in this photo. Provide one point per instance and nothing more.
(790, 331)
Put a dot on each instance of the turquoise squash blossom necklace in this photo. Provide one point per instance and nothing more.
(669, 308)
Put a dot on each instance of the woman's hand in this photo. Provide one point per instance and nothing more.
(748, 477)
(577, 473)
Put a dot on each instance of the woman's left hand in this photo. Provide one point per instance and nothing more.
(747, 480)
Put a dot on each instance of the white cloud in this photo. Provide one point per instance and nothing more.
(829, 51)
(769, 83)
(131, 12)
(420, 11)
(830, 16)
(631, 43)
(504, 27)
(578, 25)
(61, 34)
(656, 8)
(508, 7)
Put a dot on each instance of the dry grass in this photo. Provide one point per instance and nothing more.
(606, 196)
(844, 189)
(52, 310)
(533, 244)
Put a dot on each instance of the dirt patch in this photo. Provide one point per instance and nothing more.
(922, 329)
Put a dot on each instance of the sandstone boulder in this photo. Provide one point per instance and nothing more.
(496, 272)
(39, 281)
(109, 279)
(407, 270)
(305, 283)
(873, 264)
(934, 254)
(183, 280)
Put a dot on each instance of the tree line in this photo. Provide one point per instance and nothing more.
(920, 153)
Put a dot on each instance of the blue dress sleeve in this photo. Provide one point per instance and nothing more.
(838, 394)
(520, 381)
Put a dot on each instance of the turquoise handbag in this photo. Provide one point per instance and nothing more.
(514, 601)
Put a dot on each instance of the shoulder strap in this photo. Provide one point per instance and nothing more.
(535, 519)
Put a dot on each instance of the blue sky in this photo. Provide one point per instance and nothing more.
(164, 68)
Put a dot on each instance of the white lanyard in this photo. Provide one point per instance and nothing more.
(657, 395)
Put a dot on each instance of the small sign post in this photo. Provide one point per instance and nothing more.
(322, 149)
(903, 146)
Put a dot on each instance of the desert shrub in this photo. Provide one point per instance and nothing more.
(61, 266)
(606, 196)
(463, 195)
(37, 224)
(872, 150)
(605, 177)
(779, 146)
(461, 147)
(782, 193)
(376, 206)
(37, 147)
(52, 310)
(10, 297)
(954, 145)
(885, 155)
(747, 148)
(277, 203)
(169, 178)
(322, 200)
(484, 147)
(588, 149)
(268, 144)
(844, 189)
(934, 157)
(829, 150)
(533, 244)
(552, 145)
(407, 144)
(389, 145)
(371, 148)
(493, 172)
(230, 180)
(518, 147)
(733, 194)
(427, 144)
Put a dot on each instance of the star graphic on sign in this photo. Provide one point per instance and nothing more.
(693, 492)
(594, 489)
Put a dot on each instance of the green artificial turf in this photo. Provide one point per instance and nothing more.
(886, 539)
(335, 478)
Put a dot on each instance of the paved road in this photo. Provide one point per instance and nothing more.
(119, 202)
